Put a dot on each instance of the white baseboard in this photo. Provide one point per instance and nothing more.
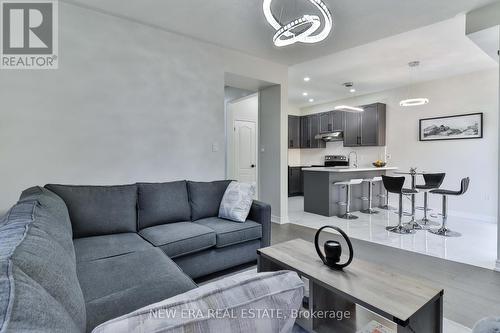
(279, 219)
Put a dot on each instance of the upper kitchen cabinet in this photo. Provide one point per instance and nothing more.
(309, 128)
(305, 132)
(338, 120)
(331, 121)
(325, 122)
(365, 128)
(315, 130)
(293, 132)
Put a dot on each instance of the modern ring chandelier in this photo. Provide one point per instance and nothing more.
(303, 29)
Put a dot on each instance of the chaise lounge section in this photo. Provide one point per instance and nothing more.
(88, 254)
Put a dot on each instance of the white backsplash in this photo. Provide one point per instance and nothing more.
(294, 157)
(366, 155)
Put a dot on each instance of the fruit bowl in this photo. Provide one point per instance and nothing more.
(379, 164)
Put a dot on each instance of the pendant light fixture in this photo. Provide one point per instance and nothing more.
(347, 108)
(303, 29)
(415, 101)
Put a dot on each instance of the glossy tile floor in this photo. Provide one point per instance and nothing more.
(477, 246)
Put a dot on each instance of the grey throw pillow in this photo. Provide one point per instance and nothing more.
(236, 202)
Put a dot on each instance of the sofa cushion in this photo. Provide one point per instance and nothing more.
(162, 203)
(205, 198)
(99, 210)
(181, 238)
(39, 289)
(100, 247)
(115, 286)
(240, 296)
(229, 232)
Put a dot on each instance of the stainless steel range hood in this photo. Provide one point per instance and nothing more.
(329, 137)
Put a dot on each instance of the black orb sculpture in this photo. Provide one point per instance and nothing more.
(333, 250)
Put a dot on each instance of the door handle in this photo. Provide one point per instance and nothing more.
(253, 165)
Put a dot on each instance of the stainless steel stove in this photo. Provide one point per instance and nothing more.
(336, 161)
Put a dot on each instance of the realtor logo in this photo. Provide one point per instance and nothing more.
(28, 34)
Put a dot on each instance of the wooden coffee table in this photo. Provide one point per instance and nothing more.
(367, 292)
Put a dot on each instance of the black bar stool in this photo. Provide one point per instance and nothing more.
(444, 231)
(432, 182)
(395, 185)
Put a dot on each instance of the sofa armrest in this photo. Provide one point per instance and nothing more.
(260, 212)
(232, 304)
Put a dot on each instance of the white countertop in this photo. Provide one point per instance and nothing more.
(343, 169)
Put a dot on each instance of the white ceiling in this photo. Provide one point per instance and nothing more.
(442, 48)
(240, 24)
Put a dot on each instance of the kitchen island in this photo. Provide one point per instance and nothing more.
(321, 196)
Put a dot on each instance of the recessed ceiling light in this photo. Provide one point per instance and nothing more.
(307, 79)
(348, 108)
(305, 93)
(311, 100)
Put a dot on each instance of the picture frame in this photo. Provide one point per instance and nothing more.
(456, 127)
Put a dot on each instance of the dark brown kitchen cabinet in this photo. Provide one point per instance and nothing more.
(295, 181)
(293, 132)
(365, 128)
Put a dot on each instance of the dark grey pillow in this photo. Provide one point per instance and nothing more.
(99, 210)
(160, 203)
(205, 198)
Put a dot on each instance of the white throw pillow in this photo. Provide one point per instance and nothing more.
(244, 303)
(236, 202)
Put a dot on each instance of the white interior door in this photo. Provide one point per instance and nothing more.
(245, 147)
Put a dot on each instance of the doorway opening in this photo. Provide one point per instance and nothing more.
(242, 125)
(253, 112)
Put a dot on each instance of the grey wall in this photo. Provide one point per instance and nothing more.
(232, 93)
(122, 107)
(270, 148)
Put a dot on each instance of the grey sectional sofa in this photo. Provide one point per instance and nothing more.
(72, 257)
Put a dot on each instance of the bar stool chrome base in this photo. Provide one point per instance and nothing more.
(414, 225)
(348, 216)
(426, 223)
(369, 211)
(443, 231)
(400, 229)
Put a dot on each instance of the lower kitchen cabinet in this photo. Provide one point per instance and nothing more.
(295, 181)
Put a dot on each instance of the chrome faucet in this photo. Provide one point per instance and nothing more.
(355, 164)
